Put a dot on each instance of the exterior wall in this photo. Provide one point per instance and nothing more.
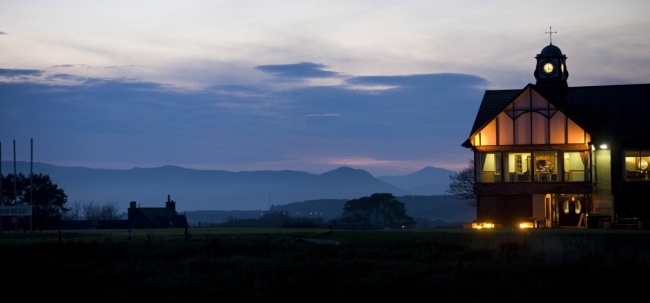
(510, 203)
(603, 198)
(539, 213)
(631, 198)
(504, 210)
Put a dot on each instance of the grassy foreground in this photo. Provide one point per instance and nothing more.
(316, 265)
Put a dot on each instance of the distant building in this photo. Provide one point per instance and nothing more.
(155, 217)
(138, 218)
(555, 155)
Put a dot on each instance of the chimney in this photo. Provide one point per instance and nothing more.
(170, 205)
(131, 210)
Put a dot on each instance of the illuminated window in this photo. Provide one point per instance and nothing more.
(489, 134)
(578, 207)
(489, 167)
(546, 166)
(558, 128)
(540, 128)
(522, 129)
(530, 119)
(517, 167)
(575, 132)
(505, 130)
(576, 166)
(637, 165)
(565, 207)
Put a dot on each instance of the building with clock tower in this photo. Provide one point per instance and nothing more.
(553, 155)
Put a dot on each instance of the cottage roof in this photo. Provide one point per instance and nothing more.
(160, 217)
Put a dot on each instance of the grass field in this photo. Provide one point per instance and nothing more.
(319, 265)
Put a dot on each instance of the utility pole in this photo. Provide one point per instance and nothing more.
(31, 183)
(1, 178)
(15, 176)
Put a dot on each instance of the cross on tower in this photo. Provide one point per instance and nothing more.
(550, 34)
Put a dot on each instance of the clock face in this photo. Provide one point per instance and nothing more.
(548, 68)
(643, 164)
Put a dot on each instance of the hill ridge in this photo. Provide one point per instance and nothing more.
(195, 189)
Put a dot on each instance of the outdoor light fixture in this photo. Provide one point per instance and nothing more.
(482, 225)
(526, 225)
(603, 146)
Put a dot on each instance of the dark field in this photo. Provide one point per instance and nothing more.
(313, 265)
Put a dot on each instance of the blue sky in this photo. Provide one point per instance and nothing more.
(385, 86)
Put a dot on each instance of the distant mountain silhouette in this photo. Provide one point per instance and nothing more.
(347, 183)
(216, 189)
(427, 181)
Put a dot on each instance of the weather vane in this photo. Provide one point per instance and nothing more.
(550, 34)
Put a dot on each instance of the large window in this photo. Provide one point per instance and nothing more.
(576, 166)
(519, 167)
(488, 166)
(533, 166)
(637, 165)
(546, 168)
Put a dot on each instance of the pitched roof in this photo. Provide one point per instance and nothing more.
(160, 217)
(608, 112)
(494, 102)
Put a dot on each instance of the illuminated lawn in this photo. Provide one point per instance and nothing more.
(318, 265)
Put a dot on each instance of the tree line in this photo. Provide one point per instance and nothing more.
(49, 201)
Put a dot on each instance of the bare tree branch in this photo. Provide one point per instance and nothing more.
(462, 184)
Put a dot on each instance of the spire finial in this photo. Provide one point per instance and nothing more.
(550, 34)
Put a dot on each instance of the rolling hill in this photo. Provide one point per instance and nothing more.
(225, 190)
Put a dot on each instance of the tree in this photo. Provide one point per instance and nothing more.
(73, 213)
(48, 200)
(384, 208)
(92, 211)
(462, 184)
(357, 211)
(394, 213)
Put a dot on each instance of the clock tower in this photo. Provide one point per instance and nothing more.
(551, 67)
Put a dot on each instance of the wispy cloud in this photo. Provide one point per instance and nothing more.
(324, 115)
(14, 73)
(298, 70)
